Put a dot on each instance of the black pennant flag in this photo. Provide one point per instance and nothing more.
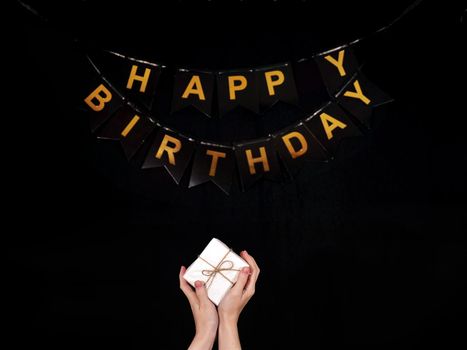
(100, 101)
(257, 159)
(213, 163)
(136, 79)
(193, 88)
(337, 67)
(276, 83)
(359, 96)
(129, 127)
(172, 151)
(312, 91)
(237, 88)
(297, 145)
(330, 125)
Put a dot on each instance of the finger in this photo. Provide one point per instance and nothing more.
(251, 284)
(186, 288)
(251, 261)
(201, 293)
(241, 281)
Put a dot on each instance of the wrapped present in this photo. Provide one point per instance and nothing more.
(218, 267)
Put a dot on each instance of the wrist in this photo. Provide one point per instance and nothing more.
(228, 320)
(228, 334)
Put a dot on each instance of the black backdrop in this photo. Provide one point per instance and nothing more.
(366, 250)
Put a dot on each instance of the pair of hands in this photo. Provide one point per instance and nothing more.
(209, 319)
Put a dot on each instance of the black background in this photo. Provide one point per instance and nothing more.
(366, 250)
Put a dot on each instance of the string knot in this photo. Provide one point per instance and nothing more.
(222, 266)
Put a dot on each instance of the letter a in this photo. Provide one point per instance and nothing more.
(330, 123)
(194, 88)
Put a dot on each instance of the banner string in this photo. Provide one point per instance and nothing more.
(383, 29)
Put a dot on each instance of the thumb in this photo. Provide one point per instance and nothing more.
(201, 292)
(242, 279)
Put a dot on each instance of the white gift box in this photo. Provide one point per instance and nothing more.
(218, 267)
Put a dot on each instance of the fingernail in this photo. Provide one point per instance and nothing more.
(246, 270)
(182, 268)
(198, 284)
(245, 252)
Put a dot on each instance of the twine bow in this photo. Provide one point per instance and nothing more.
(224, 265)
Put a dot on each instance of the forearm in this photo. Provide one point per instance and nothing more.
(228, 335)
(203, 341)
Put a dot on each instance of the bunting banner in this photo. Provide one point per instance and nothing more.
(335, 97)
(123, 98)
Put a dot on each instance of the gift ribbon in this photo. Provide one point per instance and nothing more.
(211, 273)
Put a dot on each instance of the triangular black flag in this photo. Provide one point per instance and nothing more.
(297, 145)
(237, 88)
(100, 101)
(359, 96)
(129, 127)
(257, 159)
(171, 151)
(213, 163)
(193, 88)
(330, 125)
(276, 83)
(337, 67)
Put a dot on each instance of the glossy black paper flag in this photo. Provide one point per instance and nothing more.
(337, 67)
(331, 125)
(193, 88)
(100, 101)
(136, 79)
(213, 163)
(297, 145)
(129, 127)
(237, 88)
(171, 151)
(312, 91)
(256, 160)
(359, 96)
(276, 83)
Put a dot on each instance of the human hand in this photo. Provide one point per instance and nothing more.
(233, 303)
(204, 313)
(238, 296)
